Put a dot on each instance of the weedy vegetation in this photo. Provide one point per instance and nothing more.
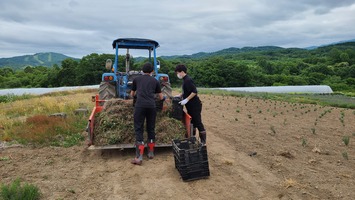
(27, 119)
(345, 155)
(346, 140)
(18, 191)
(304, 142)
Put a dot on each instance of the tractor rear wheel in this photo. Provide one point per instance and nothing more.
(166, 90)
(107, 90)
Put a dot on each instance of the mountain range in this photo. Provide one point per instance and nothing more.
(39, 59)
(51, 58)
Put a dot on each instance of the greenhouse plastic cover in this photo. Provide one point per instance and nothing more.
(323, 89)
(39, 91)
(283, 89)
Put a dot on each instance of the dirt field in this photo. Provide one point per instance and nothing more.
(300, 154)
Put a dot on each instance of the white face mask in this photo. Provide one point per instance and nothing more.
(179, 76)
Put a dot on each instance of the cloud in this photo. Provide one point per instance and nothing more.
(80, 27)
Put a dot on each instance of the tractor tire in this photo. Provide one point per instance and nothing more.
(107, 91)
(159, 105)
(166, 90)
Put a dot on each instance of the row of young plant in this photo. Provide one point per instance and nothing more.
(275, 105)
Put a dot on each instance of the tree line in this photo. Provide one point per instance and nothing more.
(332, 65)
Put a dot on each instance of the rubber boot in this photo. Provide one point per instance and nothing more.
(193, 137)
(194, 132)
(151, 146)
(203, 137)
(139, 154)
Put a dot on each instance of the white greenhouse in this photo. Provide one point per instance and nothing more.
(315, 89)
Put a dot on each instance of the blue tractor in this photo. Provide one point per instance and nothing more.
(118, 82)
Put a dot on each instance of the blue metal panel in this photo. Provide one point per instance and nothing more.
(155, 62)
(115, 65)
(135, 43)
(109, 74)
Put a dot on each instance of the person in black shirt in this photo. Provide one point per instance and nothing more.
(191, 101)
(144, 88)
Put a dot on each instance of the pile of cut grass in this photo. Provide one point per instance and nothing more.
(115, 125)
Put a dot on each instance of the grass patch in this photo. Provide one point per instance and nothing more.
(18, 191)
(12, 97)
(5, 158)
(44, 130)
(27, 120)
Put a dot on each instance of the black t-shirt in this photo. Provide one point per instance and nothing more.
(188, 86)
(146, 87)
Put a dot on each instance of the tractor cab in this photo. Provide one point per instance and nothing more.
(118, 82)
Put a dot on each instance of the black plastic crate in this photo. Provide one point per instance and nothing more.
(191, 159)
(188, 151)
(201, 166)
(195, 175)
(177, 111)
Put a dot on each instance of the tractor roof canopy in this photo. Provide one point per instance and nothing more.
(135, 43)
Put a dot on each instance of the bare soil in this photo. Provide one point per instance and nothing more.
(257, 149)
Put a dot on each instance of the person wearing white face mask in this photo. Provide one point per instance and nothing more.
(179, 76)
(191, 101)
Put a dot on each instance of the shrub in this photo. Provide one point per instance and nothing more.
(17, 191)
(44, 130)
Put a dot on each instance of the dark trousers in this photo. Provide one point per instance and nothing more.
(140, 115)
(194, 110)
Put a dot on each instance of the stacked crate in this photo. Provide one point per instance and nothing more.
(191, 159)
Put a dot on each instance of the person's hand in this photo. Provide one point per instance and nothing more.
(183, 102)
(178, 96)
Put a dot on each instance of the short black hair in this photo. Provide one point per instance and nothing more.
(180, 68)
(147, 67)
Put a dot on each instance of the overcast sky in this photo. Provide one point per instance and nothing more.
(80, 27)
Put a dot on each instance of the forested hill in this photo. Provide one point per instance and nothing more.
(332, 65)
(268, 51)
(50, 58)
(39, 59)
(225, 52)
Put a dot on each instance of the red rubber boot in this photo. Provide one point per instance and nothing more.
(139, 154)
(151, 146)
